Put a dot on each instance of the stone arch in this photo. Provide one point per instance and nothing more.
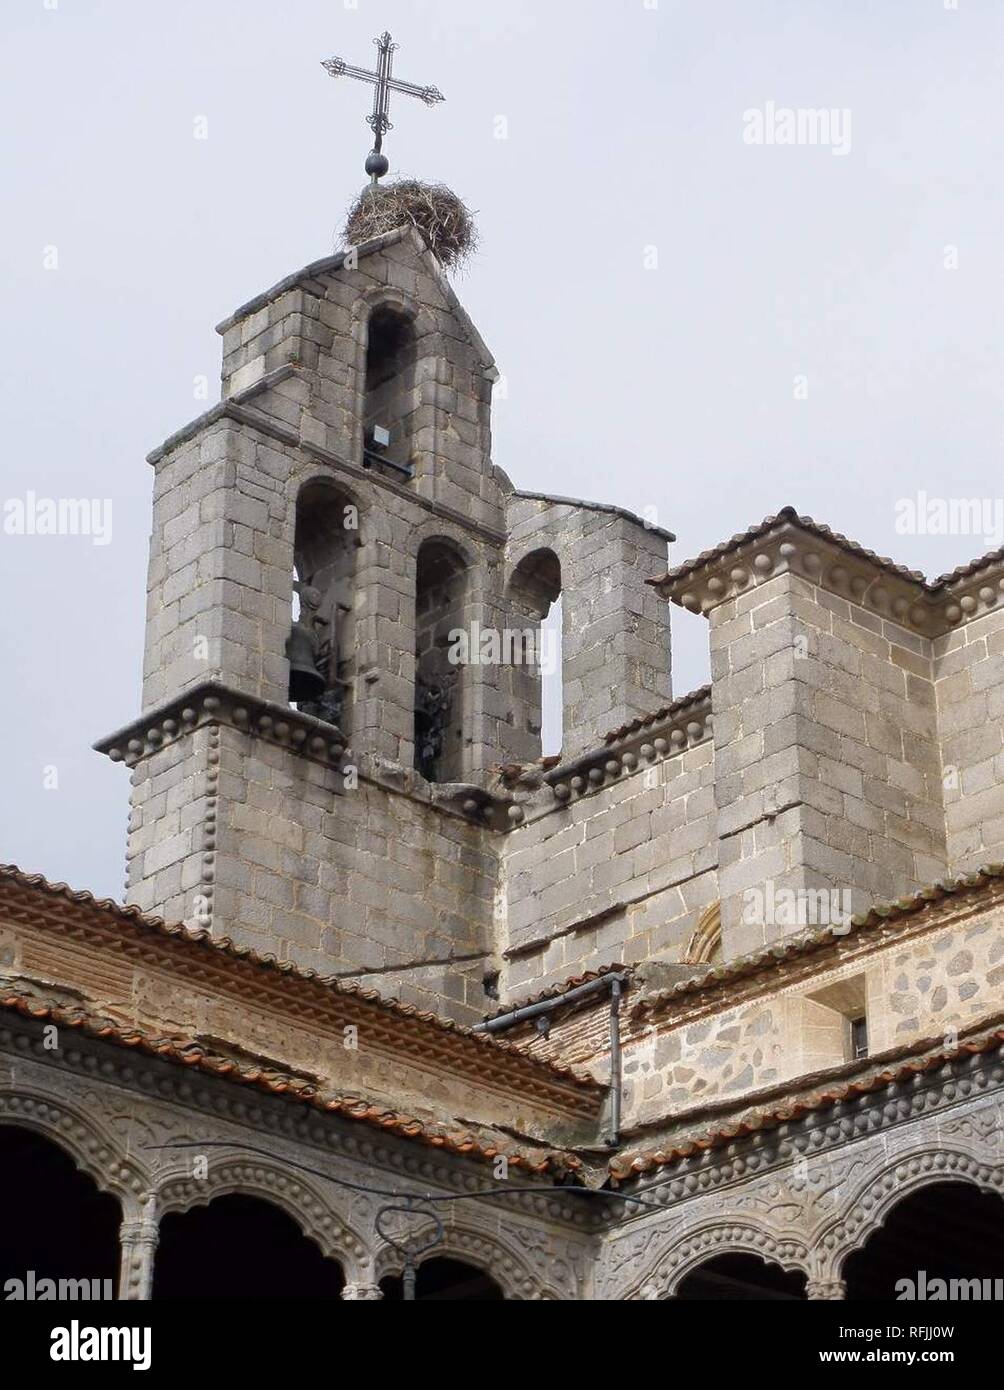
(678, 1258)
(319, 1221)
(442, 707)
(533, 606)
(490, 1253)
(93, 1150)
(420, 341)
(326, 543)
(705, 946)
(868, 1208)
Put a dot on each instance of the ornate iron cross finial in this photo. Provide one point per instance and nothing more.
(377, 162)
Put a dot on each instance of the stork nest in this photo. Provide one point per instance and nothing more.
(444, 222)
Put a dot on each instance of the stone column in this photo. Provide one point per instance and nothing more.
(138, 1238)
(825, 1288)
(362, 1292)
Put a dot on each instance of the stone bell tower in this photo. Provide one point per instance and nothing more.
(312, 773)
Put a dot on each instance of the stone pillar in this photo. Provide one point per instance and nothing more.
(825, 1288)
(362, 1292)
(138, 1238)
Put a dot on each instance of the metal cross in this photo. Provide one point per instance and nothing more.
(377, 162)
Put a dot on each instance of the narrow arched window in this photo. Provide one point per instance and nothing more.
(321, 648)
(535, 668)
(440, 594)
(390, 399)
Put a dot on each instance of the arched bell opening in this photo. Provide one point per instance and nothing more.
(440, 599)
(390, 398)
(321, 647)
(533, 665)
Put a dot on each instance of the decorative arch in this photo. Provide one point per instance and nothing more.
(86, 1142)
(442, 601)
(300, 1200)
(533, 607)
(495, 1257)
(677, 1259)
(870, 1206)
(705, 946)
(392, 333)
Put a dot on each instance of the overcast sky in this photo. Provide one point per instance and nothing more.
(686, 320)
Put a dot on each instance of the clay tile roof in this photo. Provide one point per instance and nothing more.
(199, 938)
(645, 721)
(789, 516)
(803, 943)
(187, 1052)
(628, 1165)
(992, 557)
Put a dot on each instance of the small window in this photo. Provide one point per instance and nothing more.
(859, 1037)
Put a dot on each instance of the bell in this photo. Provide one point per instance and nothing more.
(305, 681)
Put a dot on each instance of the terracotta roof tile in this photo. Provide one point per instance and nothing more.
(199, 938)
(788, 515)
(628, 1165)
(645, 721)
(187, 1052)
(805, 942)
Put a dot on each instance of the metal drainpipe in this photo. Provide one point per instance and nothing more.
(615, 983)
(615, 1061)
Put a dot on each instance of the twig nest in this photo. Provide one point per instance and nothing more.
(445, 223)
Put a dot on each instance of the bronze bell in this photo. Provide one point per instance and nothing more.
(305, 681)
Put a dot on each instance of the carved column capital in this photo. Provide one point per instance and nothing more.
(362, 1292)
(826, 1288)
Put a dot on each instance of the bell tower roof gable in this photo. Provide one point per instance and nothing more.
(409, 240)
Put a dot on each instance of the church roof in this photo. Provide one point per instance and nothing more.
(26, 897)
(962, 886)
(636, 1161)
(187, 1052)
(308, 277)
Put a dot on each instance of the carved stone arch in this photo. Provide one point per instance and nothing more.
(496, 1257)
(319, 1221)
(869, 1206)
(91, 1147)
(705, 946)
(437, 529)
(678, 1257)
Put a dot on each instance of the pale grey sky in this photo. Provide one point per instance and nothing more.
(651, 284)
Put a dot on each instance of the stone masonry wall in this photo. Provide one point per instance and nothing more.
(619, 875)
(969, 682)
(827, 767)
(615, 643)
(348, 881)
